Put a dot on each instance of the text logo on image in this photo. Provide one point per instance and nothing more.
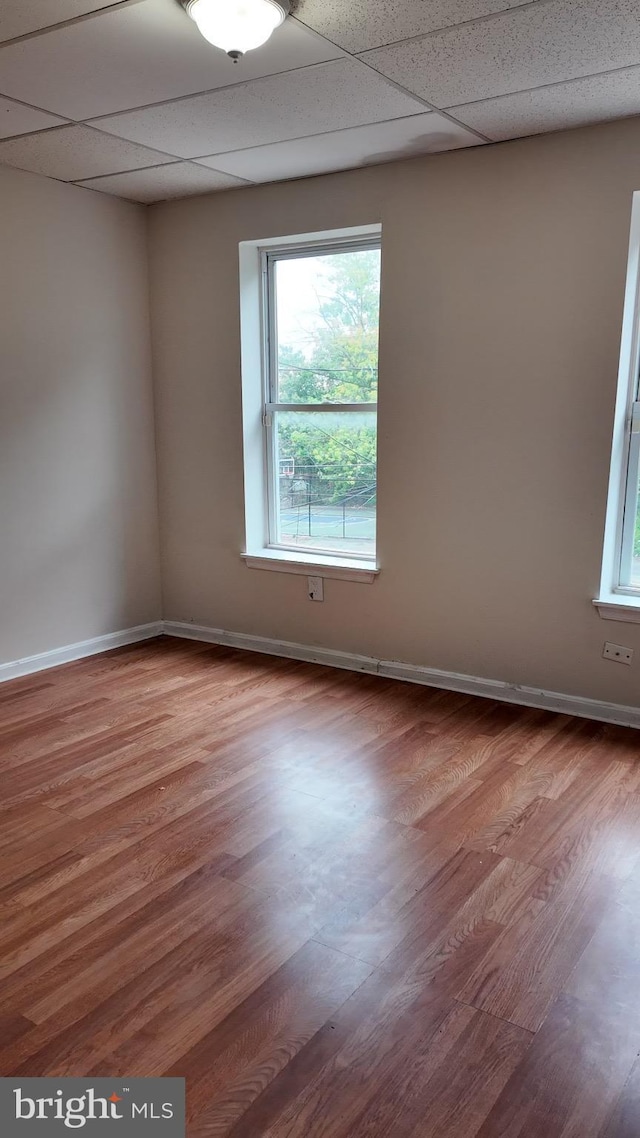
(128, 1108)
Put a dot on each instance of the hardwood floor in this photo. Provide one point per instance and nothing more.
(340, 906)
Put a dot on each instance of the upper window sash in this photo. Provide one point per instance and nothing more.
(270, 257)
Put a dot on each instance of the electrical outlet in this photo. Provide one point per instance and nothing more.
(618, 652)
(315, 588)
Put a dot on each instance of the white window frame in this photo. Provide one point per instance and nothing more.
(259, 351)
(618, 599)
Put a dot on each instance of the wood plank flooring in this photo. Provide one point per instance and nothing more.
(340, 906)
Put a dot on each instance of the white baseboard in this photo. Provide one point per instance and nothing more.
(415, 673)
(411, 673)
(57, 656)
(285, 648)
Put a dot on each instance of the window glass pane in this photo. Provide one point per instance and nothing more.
(326, 476)
(630, 554)
(635, 562)
(326, 314)
(635, 557)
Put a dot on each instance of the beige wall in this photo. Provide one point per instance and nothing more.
(503, 277)
(78, 512)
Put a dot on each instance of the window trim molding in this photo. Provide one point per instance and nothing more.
(285, 561)
(255, 351)
(616, 601)
(623, 608)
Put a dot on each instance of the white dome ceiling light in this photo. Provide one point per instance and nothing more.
(237, 26)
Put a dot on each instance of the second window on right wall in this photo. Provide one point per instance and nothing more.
(630, 552)
(620, 583)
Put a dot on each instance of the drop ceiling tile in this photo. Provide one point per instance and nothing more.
(179, 180)
(19, 17)
(363, 24)
(137, 55)
(564, 105)
(310, 101)
(345, 149)
(73, 152)
(15, 118)
(540, 43)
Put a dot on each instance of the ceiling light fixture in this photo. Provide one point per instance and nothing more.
(237, 26)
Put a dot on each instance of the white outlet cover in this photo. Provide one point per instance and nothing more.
(315, 588)
(618, 653)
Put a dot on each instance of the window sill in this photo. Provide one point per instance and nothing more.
(620, 606)
(345, 569)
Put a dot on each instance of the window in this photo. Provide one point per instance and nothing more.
(630, 556)
(620, 586)
(319, 305)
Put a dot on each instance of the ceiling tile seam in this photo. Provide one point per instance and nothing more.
(31, 133)
(67, 121)
(160, 166)
(430, 106)
(192, 94)
(489, 17)
(411, 94)
(143, 146)
(4, 165)
(103, 133)
(306, 137)
(29, 106)
(214, 90)
(81, 19)
(243, 82)
(546, 87)
(43, 110)
(91, 122)
(74, 181)
(446, 113)
(115, 173)
(424, 103)
(45, 130)
(177, 98)
(434, 31)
